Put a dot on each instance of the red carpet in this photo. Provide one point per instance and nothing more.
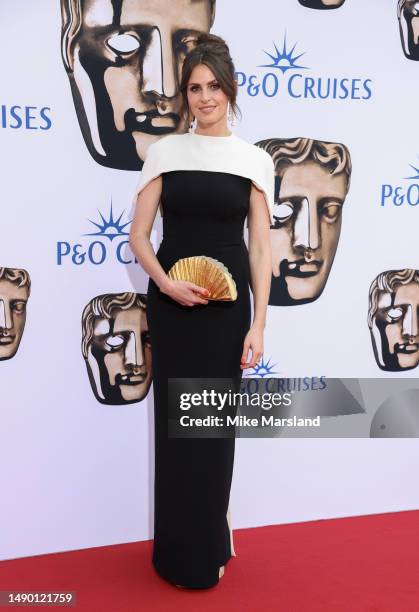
(358, 564)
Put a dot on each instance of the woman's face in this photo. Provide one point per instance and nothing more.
(207, 101)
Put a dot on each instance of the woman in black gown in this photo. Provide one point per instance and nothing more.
(205, 183)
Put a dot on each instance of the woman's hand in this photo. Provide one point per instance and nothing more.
(253, 341)
(185, 292)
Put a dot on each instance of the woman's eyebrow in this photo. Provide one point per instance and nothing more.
(208, 83)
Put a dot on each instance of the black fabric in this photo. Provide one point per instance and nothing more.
(204, 214)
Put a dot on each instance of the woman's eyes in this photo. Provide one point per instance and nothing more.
(213, 86)
(123, 43)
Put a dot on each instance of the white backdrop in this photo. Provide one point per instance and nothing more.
(76, 473)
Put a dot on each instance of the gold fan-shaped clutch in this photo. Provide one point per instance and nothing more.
(206, 272)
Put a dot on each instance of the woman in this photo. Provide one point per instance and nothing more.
(207, 182)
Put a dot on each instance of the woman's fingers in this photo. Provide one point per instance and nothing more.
(246, 347)
(189, 294)
(256, 355)
(200, 290)
(198, 294)
(255, 358)
(192, 300)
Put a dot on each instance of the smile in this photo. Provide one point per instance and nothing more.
(207, 109)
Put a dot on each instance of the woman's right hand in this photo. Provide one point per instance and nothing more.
(185, 292)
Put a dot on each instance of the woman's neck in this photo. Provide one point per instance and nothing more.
(213, 130)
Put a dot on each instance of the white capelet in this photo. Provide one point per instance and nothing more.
(229, 154)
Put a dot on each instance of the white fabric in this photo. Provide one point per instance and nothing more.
(229, 154)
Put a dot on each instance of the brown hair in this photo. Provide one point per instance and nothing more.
(212, 51)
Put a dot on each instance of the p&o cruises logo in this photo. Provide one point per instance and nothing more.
(109, 241)
(402, 195)
(261, 370)
(265, 378)
(25, 117)
(286, 78)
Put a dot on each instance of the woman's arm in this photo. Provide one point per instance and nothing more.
(260, 260)
(141, 226)
(184, 292)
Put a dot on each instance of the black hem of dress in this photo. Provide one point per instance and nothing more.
(169, 577)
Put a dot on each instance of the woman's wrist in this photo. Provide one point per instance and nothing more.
(259, 325)
(164, 283)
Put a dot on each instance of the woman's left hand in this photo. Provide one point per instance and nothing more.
(253, 341)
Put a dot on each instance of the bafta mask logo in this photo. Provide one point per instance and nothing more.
(408, 14)
(322, 4)
(15, 287)
(393, 319)
(116, 347)
(123, 59)
(311, 184)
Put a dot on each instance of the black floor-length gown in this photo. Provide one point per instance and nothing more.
(204, 214)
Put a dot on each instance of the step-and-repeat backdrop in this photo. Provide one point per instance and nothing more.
(330, 89)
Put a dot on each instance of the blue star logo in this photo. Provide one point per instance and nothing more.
(262, 369)
(416, 171)
(284, 60)
(111, 228)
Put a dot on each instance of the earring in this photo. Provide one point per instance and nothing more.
(230, 114)
(192, 124)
